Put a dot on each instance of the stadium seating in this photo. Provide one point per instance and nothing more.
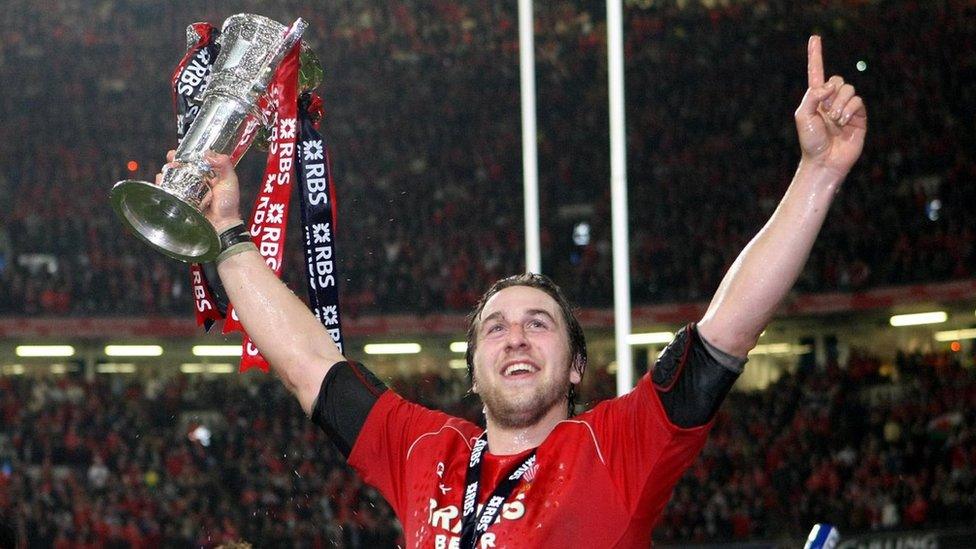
(422, 116)
(423, 121)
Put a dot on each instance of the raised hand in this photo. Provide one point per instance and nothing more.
(224, 208)
(222, 205)
(831, 120)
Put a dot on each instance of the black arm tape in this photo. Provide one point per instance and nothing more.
(348, 393)
(691, 382)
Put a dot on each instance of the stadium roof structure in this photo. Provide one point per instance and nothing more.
(895, 300)
(860, 319)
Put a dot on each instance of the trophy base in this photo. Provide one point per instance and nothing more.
(165, 221)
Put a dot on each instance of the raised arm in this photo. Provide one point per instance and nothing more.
(289, 336)
(831, 122)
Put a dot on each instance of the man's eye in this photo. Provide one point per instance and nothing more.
(537, 324)
(494, 328)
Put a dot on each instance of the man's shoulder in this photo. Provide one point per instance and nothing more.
(638, 395)
(447, 432)
(425, 427)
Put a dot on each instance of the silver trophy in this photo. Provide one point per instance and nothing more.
(167, 216)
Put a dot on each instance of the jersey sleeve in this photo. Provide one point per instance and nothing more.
(380, 452)
(644, 447)
(345, 399)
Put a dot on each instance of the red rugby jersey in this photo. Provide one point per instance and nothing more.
(602, 478)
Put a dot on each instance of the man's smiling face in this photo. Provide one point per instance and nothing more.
(522, 362)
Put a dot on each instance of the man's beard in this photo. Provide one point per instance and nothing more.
(524, 409)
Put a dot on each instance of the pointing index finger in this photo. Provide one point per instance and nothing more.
(815, 70)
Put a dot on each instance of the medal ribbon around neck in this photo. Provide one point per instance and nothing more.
(473, 525)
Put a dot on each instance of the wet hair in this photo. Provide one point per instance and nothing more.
(577, 341)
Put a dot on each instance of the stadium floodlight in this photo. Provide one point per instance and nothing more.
(206, 368)
(44, 351)
(772, 349)
(115, 368)
(62, 368)
(133, 350)
(458, 364)
(217, 350)
(955, 335)
(459, 346)
(650, 338)
(917, 319)
(780, 349)
(391, 348)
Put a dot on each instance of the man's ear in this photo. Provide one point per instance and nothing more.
(574, 377)
(575, 372)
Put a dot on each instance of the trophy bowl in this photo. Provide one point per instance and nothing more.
(165, 221)
(168, 216)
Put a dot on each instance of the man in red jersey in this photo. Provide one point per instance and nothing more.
(536, 476)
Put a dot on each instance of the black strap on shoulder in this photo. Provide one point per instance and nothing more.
(348, 393)
(692, 378)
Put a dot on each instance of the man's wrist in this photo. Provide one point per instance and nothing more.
(235, 249)
(235, 234)
(221, 226)
(821, 172)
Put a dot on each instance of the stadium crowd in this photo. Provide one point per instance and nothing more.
(422, 116)
(113, 464)
(870, 446)
(118, 460)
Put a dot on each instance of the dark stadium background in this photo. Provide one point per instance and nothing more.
(840, 417)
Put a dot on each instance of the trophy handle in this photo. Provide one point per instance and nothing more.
(292, 36)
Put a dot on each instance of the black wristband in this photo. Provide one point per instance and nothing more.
(234, 235)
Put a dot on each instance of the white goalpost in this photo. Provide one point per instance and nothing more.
(618, 172)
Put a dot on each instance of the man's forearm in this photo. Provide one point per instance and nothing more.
(288, 335)
(769, 265)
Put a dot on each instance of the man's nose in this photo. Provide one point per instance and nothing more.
(516, 337)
